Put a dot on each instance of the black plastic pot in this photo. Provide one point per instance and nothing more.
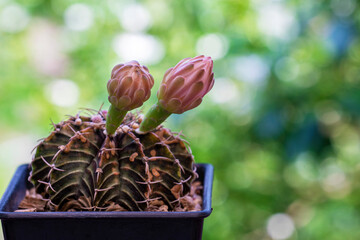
(100, 225)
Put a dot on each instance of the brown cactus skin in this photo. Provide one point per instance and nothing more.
(79, 168)
(64, 164)
(151, 166)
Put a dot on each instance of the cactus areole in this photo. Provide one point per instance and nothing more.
(119, 160)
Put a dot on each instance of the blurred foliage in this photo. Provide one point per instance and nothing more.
(281, 126)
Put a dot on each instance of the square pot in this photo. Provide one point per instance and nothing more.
(100, 225)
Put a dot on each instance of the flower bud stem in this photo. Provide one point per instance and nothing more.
(114, 119)
(153, 118)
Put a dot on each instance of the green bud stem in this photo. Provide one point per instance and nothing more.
(114, 119)
(153, 118)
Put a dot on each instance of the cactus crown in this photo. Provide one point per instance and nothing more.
(135, 163)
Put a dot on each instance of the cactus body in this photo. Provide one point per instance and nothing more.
(108, 162)
(79, 168)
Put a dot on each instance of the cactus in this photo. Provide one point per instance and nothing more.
(89, 164)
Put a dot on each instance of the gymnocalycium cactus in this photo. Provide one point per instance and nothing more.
(121, 161)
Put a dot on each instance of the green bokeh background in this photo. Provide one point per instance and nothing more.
(281, 126)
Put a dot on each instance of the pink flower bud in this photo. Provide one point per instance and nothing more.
(130, 85)
(184, 85)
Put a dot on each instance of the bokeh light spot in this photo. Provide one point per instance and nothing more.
(277, 21)
(224, 91)
(45, 48)
(343, 8)
(328, 112)
(305, 167)
(79, 17)
(10, 148)
(214, 45)
(280, 226)
(13, 18)
(301, 212)
(251, 69)
(135, 18)
(335, 182)
(145, 48)
(63, 92)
